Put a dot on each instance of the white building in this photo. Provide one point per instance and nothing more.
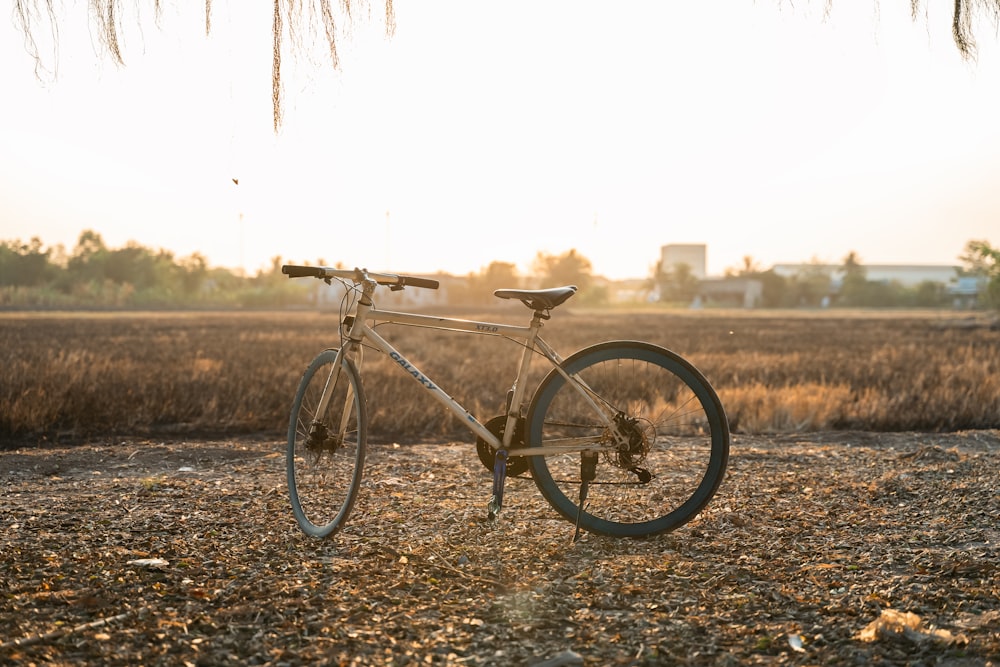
(693, 254)
(907, 275)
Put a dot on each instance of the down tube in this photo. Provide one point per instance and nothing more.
(418, 376)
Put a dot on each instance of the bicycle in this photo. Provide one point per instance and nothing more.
(631, 430)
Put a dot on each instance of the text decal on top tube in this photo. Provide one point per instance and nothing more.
(420, 377)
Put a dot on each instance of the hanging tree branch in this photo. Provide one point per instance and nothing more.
(24, 16)
(962, 21)
(276, 66)
(106, 14)
(289, 14)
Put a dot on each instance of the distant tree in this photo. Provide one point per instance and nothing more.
(192, 272)
(570, 268)
(811, 285)
(982, 260)
(86, 263)
(774, 293)
(272, 275)
(774, 287)
(141, 267)
(89, 243)
(270, 287)
(749, 269)
(479, 286)
(24, 264)
(854, 289)
(677, 283)
(930, 294)
(132, 276)
(499, 275)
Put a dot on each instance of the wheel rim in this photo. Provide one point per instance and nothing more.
(325, 451)
(671, 434)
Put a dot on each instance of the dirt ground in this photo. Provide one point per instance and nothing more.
(823, 548)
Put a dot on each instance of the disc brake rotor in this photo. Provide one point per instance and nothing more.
(639, 434)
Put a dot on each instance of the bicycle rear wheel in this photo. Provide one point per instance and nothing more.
(326, 447)
(673, 434)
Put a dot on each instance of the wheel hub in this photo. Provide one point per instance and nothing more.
(320, 439)
(634, 437)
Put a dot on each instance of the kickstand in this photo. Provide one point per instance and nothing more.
(579, 508)
(499, 477)
(588, 471)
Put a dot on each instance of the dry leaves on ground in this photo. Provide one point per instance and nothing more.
(186, 553)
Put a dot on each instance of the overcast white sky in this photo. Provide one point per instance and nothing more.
(493, 131)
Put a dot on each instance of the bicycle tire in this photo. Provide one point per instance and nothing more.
(681, 439)
(325, 464)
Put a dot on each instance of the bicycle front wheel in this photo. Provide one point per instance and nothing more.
(660, 429)
(327, 436)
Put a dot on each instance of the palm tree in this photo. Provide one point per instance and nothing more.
(289, 16)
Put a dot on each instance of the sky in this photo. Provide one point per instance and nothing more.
(497, 131)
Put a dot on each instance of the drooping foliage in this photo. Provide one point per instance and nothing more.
(293, 19)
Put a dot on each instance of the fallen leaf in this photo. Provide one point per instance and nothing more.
(149, 563)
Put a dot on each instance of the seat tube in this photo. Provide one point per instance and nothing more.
(517, 391)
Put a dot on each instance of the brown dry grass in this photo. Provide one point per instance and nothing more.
(73, 375)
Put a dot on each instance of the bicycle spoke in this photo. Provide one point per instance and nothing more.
(326, 450)
(663, 452)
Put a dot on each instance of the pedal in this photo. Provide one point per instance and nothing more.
(499, 478)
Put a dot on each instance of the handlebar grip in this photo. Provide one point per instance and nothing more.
(413, 281)
(294, 271)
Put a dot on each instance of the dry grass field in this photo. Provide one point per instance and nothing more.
(144, 517)
(71, 376)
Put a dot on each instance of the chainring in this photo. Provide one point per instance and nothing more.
(516, 465)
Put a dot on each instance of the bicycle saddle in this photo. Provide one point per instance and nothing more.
(538, 299)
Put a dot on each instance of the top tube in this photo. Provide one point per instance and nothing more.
(450, 323)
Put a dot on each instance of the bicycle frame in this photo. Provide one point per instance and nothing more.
(361, 330)
(642, 414)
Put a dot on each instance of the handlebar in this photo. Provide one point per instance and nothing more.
(357, 275)
(294, 271)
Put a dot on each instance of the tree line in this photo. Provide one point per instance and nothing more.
(93, 275)
(814, 284)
